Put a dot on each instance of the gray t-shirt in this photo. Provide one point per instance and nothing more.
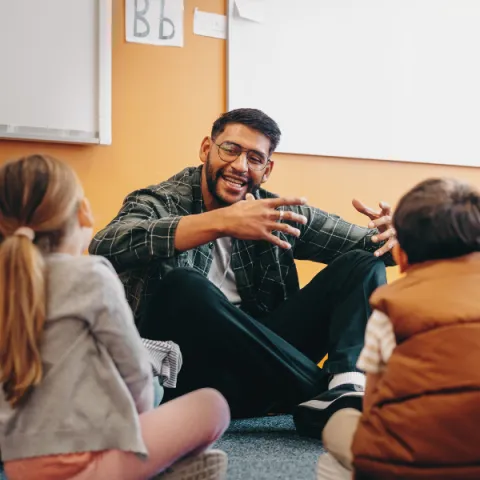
(97, 375)
(221, 273)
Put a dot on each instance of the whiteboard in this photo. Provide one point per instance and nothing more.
(55, 78)
(378, 79)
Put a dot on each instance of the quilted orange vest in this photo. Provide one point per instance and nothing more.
(425, 417)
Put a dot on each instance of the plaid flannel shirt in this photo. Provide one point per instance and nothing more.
(139, 242)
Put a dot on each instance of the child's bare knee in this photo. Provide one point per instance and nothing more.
(214, 405)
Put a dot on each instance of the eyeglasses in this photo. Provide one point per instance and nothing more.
(229, 152)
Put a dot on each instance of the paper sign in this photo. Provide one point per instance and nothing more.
(154, 22)
(253, 10)
(209, 24)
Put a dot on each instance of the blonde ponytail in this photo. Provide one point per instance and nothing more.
(22, 316)
(39, 199)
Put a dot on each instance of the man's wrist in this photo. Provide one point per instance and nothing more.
(218, 222)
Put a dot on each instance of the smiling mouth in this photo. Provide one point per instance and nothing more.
(233, 182)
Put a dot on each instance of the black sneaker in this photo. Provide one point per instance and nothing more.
(310, 417)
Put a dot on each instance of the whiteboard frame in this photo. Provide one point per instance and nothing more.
(104, 134)
(105, 14)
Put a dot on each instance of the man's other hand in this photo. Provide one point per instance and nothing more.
(382, 221)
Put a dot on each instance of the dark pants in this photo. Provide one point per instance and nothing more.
(258, 365)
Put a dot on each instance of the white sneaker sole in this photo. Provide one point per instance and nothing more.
(209, 465)
(322, 405)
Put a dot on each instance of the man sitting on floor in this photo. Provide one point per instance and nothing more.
(207, 259)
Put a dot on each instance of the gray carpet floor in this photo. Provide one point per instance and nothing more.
(269, 448)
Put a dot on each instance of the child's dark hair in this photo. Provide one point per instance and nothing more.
(438, 219)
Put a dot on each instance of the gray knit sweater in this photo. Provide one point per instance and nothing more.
(97, 374)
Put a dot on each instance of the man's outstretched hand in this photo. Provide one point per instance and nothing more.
(382, 221)
(252, 219)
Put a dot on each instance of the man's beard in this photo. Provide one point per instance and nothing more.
(212, 180)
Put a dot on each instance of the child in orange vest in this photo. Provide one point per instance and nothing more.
(422, 350)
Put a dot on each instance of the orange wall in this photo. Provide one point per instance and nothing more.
(165, 100)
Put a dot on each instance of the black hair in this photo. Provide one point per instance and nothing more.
(437, 219)
(253, 118)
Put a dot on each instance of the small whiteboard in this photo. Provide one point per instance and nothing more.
(55, 78)
(379, 79)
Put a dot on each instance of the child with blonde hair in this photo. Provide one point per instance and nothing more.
(77, 385)
(422, 349)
